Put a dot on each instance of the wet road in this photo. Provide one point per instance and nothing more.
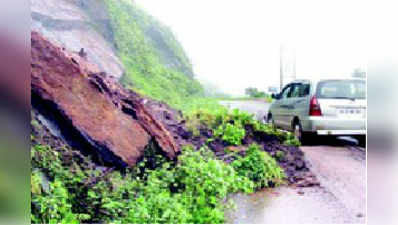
(340, 166)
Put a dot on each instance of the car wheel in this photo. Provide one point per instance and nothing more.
(304, 137)
(298, 131)
(361, 140)
(270, 120)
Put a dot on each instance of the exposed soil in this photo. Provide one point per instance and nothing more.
(290, 158)
(93, 112)
(89, 111)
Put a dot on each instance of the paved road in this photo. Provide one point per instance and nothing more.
(340, 166)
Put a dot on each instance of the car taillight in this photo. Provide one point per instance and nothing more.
(315, 108)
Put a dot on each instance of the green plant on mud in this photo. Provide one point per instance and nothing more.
(229, 125)
(51, 200)
(231, 133)
(291, 140)
(259, 167)
(67, 188)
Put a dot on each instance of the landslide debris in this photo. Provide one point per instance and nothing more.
(91, 110)
(289, 157)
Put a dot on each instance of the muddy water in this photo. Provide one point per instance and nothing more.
(290, 205)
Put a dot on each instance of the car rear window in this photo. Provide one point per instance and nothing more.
(351, 89)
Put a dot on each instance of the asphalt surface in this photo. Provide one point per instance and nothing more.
(340, 166)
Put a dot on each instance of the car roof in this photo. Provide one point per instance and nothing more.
(316, 80)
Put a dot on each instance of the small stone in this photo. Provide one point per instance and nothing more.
(300, 192)
(299, 164)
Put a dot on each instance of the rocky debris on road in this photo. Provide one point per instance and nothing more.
(93, 112)
(290, 158)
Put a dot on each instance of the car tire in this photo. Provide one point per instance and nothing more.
(361, 140)
(298, 131)
(270, 120)
(304, 137)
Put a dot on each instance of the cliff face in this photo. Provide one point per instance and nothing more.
(87, 24)
(77, 24)
(93, 113)
(123, 41)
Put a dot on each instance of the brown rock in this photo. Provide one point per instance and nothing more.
(97, 110)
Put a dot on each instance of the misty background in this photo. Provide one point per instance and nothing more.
(236, 44)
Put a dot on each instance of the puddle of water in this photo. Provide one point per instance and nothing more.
(290, 205)
(250, 208)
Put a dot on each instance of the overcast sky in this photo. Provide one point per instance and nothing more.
(235, 44)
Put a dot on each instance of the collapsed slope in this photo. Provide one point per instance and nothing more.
(104, 154)
(122, 40)
(93, 110)
(93, 113)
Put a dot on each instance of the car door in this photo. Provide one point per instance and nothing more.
(279, 107)
(296, 103)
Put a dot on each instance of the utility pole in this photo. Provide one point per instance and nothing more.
(280, 68)
(287, 70)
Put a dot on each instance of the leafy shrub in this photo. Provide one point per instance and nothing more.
(280, 155)
(259, 167)
(191, 191)
(55, 206)
(291, 140)
(233, 134)
(229, 125)
(51, 200)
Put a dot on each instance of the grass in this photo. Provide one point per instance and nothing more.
(67, 188)
(142, 51)
(267, 99)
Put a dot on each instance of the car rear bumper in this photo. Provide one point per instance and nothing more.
(334, 126)
(341, 132)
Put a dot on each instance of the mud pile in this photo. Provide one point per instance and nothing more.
(290, 158)
(93, 112)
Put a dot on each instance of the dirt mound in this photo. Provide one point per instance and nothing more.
(92, 111)
(290, 158)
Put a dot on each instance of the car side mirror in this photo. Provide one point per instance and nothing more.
(274, 96)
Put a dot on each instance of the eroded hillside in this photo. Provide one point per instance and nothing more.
(122, 40)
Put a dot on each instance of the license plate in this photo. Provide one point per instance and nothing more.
(351, 112)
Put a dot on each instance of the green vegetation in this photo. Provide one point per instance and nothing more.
(231, 133)
(259, 167)
(66, 187)
(255, 93)
(280, 155)
(229, 125)
(155, 62)
(291, 140)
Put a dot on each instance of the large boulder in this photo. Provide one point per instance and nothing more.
(93, 110)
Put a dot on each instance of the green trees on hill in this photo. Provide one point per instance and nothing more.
(155, 62)
(255, 93)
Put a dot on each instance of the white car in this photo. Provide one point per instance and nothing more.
(321, 107)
